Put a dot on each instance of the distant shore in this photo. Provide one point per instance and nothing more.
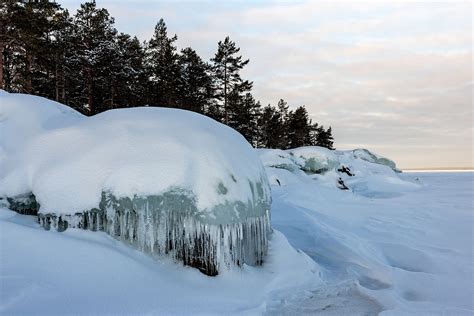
(465, 169)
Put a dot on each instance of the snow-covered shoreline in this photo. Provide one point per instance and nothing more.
(351, 235)
(406, 255)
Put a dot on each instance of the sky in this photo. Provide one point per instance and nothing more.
(395, 77)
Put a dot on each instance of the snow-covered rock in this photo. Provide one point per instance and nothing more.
(314, 159)
(369, 156)
(164, 180)
(360, 171)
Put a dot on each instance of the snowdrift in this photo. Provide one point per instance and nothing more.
(166, 181)
(360, 171)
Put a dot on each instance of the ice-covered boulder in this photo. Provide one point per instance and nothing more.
(166, 181)
(277, 158)
(314, 159)
(359, 171)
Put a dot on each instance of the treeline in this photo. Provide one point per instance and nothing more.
(84, 62)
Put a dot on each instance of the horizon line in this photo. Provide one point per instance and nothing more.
(440, 169)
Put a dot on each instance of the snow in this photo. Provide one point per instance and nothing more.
(165, 181)
(80, 272)
(139, 151)
(22, 117)
(366, 155)
(315, 159)
(393, 243)
(410, 254)
(372, 175)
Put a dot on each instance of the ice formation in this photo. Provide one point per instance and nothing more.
(166, 181)
(369, 156)
(319, 160)
(359, 170)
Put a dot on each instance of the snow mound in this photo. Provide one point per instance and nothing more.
(360, 171)
(68, 163)
(22, 117)
(164, 180)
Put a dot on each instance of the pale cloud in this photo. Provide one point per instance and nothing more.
(392, 76)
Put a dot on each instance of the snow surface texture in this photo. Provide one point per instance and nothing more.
(411, 252)
(399, 244)
(164, 180)
(405, 255)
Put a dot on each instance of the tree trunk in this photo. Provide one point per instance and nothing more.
(225, 93)
(112, 92)
(56, 77)
(28, 84)
(2, 48)
(89, 91)
(63, 80)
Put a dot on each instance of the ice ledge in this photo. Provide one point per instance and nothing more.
(168, 225)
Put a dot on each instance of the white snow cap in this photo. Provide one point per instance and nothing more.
(369, 174)
(68, 160)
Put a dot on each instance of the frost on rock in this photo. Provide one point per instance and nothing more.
(165, 181)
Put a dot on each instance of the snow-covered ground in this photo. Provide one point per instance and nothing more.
(351, 236)
(413, 254)
(410, 254)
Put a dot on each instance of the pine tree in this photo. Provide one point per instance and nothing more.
(128, 78)
(229, 84)
(81, 61)
(12, 45)
(94, 40)
(25, 46)
(60, 44)
(283, 141)
(163, 68)
(244, 118)
(271, 129)
(299, 127)
(6, 36)
(195, 85)
(324, 138)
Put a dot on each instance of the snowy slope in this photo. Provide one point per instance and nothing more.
(410, 254)
(23, 117)
(54, 273)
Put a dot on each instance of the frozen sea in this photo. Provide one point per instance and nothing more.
(403, 254)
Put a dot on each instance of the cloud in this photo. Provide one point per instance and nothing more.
(395, 77)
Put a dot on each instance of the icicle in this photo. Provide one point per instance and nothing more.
(174, 230)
